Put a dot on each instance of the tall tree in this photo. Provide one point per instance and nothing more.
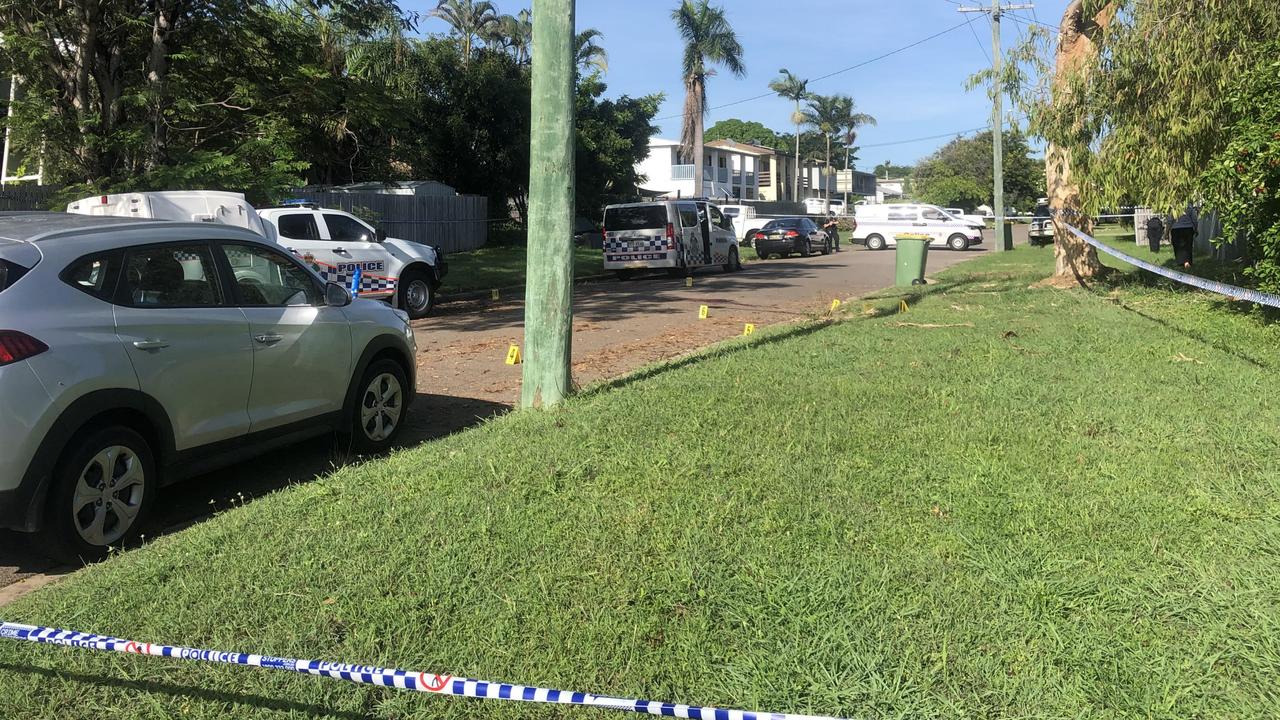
(832, 115)
(471, 20)
(793, 88)
(709, 40)
(950, 176)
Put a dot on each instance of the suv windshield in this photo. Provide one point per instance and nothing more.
(1042, 211)
(641, 217)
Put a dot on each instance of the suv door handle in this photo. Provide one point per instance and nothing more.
(268, 338)
(150, 344)
(340, 250)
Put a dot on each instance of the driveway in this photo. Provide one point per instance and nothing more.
(463, 377)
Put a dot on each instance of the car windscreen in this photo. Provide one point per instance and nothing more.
(1042, 211)
(641, 217)
(782, 225)
(10, 273)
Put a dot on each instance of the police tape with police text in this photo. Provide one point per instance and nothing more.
(400, 679)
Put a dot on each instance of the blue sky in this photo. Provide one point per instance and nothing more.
(917, 93)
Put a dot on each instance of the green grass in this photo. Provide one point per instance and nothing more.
(1004, 503)
(501, 266)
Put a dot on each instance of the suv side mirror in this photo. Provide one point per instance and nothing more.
(381, 235)
(336, 296)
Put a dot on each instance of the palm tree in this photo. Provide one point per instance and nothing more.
(793, 88)
(708, 39)
(515, 33)
(470, 20)
(833, 114)
(588, 53)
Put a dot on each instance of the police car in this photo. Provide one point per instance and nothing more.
(340, 247)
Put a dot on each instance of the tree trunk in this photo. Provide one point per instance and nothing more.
(797, 173)
(1076, 261)
(699, 146)
(157, 77)
(826, 180)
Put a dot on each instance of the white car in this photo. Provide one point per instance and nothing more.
(337, 245)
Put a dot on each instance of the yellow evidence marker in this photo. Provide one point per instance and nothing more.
(513, 355)
(748, 330)
(495, 295)
(835, 305)
(688, 281)
(903, 306)
(702, 312)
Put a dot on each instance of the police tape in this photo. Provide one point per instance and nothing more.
(1232, 291)
(385, 677)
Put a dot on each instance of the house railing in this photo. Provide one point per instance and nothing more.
(681, 172)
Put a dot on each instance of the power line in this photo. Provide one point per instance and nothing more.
(864, 63)
(977, 39)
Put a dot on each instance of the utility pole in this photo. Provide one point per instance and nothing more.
(997, 111)
(548, 312)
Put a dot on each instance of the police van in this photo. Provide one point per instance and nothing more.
(340, 247)
(676, 235)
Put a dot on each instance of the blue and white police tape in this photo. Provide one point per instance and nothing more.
(384, 677)
(1213, 286)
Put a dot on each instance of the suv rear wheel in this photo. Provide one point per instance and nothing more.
(101, 494)
(379, 412)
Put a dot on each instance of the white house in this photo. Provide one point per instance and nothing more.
(730, 170)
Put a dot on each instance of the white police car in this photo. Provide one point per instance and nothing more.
(340, 247)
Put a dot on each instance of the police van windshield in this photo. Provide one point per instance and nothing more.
(640, 217)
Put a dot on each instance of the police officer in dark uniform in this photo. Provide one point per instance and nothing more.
(832, 227)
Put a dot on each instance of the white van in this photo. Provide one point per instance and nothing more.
(822, 206)
(676, 235)
(878, 224)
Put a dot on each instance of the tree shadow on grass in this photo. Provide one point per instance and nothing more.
(186, 691)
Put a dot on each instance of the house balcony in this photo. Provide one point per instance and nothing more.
(681, 172)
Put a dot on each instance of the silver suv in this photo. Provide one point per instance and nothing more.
(135, 353)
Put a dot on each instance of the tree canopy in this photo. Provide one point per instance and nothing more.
(261, 96)
(962, 173)
(745, 131)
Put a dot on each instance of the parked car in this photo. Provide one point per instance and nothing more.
(1041, 230)
(136, 353)
(963, 216)
(879, 224)
(338, 245)
(785, 236)
(675, 235)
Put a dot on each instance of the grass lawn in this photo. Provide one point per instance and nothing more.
(500, 266)
(1004, 503)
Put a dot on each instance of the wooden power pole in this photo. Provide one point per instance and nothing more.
(997, 111)
(548, 313)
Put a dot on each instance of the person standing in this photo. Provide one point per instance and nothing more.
(832, 228)
(1183, 235)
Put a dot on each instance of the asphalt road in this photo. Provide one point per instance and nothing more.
(463, 378)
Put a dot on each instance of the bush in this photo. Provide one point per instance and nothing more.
(1243, 181)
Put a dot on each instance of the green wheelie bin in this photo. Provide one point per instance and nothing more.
(910, 259)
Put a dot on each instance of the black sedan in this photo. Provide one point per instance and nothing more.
(785, 236)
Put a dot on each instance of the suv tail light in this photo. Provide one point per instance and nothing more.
(16, 346)
(671, 236)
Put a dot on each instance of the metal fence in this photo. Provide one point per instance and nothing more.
(453, 223)
(26, 197)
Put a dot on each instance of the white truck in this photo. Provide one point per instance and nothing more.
(337, 245)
